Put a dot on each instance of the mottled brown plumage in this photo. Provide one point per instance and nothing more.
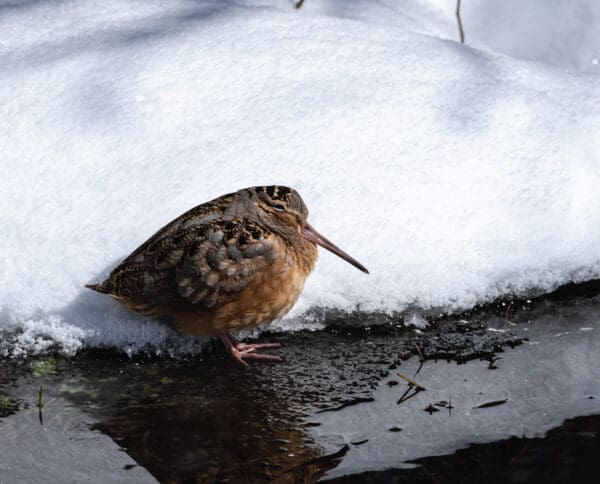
(234, 262)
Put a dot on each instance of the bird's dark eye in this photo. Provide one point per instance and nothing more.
(279, 207)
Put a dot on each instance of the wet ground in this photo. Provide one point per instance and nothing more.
(507, 393)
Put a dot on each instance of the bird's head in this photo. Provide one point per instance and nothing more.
(283, 210)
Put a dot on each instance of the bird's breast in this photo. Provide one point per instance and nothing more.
(273, 292)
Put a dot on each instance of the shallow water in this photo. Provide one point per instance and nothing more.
(568, 453)
(329, 411)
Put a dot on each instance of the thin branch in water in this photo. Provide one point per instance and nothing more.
(460, 27)
(492, 404)
(408, 390)
(406, 396)
(418, 369)
(40, 405)
(421, 357)
(410, 381)
(508, 310)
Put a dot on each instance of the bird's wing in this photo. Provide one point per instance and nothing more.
(203, 264)
(199, 215)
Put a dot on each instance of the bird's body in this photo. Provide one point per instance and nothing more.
(232, 263)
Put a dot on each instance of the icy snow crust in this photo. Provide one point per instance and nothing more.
(455, 174)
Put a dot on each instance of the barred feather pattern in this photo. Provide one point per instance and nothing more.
(222, 265)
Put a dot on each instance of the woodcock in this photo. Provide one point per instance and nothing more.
(232, 263)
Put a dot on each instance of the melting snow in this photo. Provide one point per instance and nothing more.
(456, 173)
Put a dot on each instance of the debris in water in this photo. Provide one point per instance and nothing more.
(491, 404)
(430, 408)
(411, 381)
(493, 360)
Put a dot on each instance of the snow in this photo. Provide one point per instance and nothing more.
(456, 173)
(557, 33)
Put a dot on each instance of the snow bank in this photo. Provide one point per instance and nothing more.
(554, 32)
(456, 175)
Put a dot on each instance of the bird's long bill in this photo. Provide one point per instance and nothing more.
(309, 233)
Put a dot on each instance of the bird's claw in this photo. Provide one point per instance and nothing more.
(252, 347)
(240, 351)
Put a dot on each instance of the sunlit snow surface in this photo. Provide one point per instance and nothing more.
(456, 175)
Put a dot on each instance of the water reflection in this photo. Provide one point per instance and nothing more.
(206, 419)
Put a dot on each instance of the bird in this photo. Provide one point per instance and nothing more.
(232, 263)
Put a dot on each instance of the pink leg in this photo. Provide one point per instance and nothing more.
(240, 351)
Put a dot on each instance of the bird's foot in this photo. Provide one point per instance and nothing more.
(240, 351)
(245, 347)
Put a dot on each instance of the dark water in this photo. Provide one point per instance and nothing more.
(335, 409)
(568, 453)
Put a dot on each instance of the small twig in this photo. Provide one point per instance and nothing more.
(418, 369)
(40, 405)
(410, 381)
(492, 404)
(508, 310)
(421, 357)
(401, 399)
(406, 397)
(460, 27)
(299, 3)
